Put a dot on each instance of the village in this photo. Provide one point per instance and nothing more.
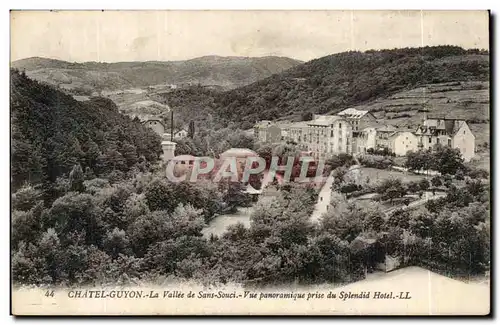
(355, 131)
(350, 132)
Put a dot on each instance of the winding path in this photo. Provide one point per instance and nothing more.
(324, 197)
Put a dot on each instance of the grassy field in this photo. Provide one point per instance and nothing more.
(482, 160)
(378, 175)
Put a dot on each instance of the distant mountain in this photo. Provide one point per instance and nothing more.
(84, 78)
(52, 132)
(335, 82)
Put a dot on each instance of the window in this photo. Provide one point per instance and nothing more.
(464, 131)
(430, 140)
(449, 142)
(340, 126)
(331, 134)
(437, 140)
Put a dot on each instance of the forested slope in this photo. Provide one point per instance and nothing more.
(51, 132)
(338, 81)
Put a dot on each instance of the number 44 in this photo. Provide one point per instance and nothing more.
(49, 293)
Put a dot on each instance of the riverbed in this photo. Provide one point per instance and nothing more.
(219, 224)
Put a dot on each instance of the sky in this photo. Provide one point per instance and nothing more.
(114, 36)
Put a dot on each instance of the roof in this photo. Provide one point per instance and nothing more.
(238, 152)
(324, 120)
(398, 132)
(180, 130)
(433, 126)
(152, 119)
(298, 124)
(353, 113)
(386, 128)
(263, 123)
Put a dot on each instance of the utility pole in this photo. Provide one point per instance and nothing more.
(171, 124)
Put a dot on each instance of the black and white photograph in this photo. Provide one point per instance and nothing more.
(246, 162)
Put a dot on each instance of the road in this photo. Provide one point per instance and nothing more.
(324, 197)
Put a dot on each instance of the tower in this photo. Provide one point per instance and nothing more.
(168, 147)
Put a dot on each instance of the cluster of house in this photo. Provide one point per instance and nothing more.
(356, 131)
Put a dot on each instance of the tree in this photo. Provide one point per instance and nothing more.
(307, 116)
(424, 184)
(233, 195)
(116, 242)
(413, 187)
(26, 198)
(448, 160)
(339, 176)
(392, 193)
(420, 160)
(374, 220)
(76, 179)
(129, 153)
(191, 129)
(459, 175)
(447, 180)
(340, 160)
(92, 153)
(76, 213)
(437, 181)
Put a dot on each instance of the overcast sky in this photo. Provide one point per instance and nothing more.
(113, 36)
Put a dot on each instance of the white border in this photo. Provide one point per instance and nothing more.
(184, 4)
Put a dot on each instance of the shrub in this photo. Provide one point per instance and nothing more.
(349, 188)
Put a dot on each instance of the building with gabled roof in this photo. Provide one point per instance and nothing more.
(323, 136)
(383, 134)
(328, 135)
(359, 119)
(267, 131)
(400, 142)
(449, 132)
(155, 124)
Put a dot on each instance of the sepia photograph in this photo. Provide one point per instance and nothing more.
(250, 162)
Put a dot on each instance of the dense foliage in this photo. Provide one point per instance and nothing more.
(443, 159)
(51, 132)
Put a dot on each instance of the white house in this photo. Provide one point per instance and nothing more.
(156, 125)
(447, 132)
(403, 141)
(181, 134)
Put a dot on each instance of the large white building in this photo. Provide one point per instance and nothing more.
(323, 136)
(355, 132)
(447, 132)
